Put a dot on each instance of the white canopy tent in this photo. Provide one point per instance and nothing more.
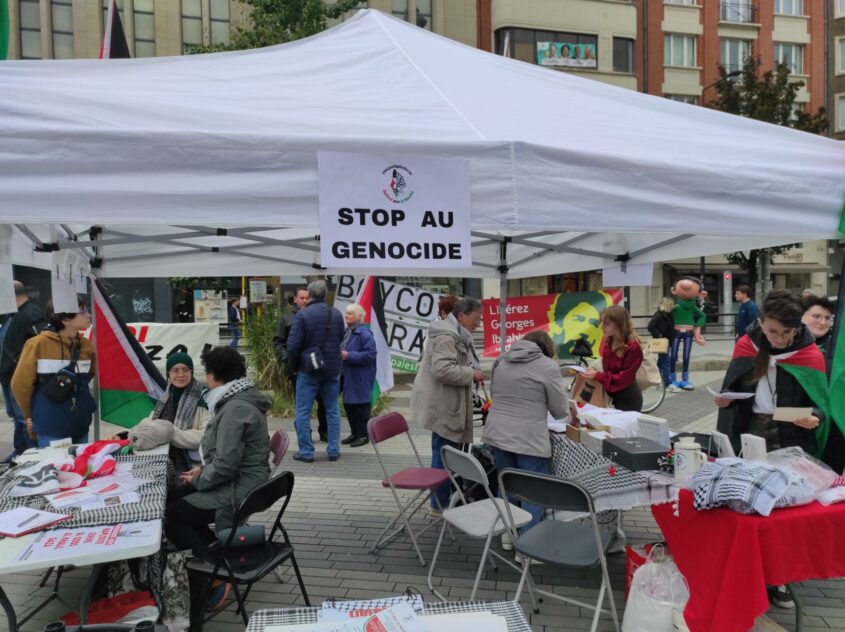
(207, 164)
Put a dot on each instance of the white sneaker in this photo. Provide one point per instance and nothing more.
(781, 598)
(434, 512)
(531, 561)
(507, 542)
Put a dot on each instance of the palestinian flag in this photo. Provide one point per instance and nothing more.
(807, 366)
(129, 382)
(837, 369)
(371, 298)
(114, 44)
(5, 29)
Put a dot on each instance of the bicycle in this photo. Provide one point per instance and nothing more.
(653, 396)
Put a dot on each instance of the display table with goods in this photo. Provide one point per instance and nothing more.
(117, 516)
(743, 526)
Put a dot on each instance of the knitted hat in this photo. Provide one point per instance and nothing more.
(179, 358)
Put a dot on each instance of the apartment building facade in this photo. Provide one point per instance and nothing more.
(836, 65)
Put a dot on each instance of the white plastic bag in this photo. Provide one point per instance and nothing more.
(657, 591)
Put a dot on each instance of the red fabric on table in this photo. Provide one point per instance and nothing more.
(729, 558)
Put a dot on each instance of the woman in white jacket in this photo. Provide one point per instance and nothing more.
(525, 386)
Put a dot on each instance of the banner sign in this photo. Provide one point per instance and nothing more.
(393, 211)
(408, 311)
(159, 340)
(565, 317)
(569, 55)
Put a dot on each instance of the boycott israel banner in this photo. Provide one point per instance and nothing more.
(159, 340)
(393, 211)
(566, 317)
(408, 311)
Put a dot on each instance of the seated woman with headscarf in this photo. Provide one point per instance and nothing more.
(179, 417)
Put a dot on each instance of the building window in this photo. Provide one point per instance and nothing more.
(219, 21)
(191, 23)
(399, 8)
(145, 28)
(689, 2)
(789, 7)
(840, 56)
(792, 55)
(840, 8)
(737, 11)
(549, 48)
(30, 29)
(683, 98)
(623, 55)
(62, 16)
(679, 50)
(733, 53)
(840, 120)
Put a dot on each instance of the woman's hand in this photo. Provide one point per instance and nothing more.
(589, 374)
(808, 423)
(344, 354)
(721, 402)
(188, 477)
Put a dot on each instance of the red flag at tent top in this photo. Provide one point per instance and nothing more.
(114, 44)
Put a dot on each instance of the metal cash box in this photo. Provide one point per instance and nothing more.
(634, 453)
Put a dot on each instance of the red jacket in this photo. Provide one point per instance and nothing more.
(619, 373)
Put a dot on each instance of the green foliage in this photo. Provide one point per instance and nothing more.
(768, 96)
(264, 366)
(749, 262)
(278, 21)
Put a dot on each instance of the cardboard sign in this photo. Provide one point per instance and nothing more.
(393, 211)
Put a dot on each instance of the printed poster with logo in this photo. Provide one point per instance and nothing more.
(380, 212)
(565, 54)
(565, 317)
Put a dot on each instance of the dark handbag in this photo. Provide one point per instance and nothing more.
(312, 359)
(61, 386)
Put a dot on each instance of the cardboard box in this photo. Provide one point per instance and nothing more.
(573, 433)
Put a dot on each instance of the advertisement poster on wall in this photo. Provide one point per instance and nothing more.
(565, 317)
(565, 54)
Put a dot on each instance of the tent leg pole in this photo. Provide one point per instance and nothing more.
(95, 275)
(503, 293)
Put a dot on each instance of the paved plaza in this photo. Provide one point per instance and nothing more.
(339, 508)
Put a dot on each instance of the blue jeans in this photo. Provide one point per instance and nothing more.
(512, 460)
(44, 440)
(687, 337)
(21, 441)
(308, 386)
(235, 331)
(444, 491)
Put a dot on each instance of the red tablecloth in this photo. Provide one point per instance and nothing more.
(729, 558)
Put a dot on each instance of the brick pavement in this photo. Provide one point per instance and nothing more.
(339, 508)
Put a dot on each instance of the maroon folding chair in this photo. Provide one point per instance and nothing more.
(279, 443)
(421, 479)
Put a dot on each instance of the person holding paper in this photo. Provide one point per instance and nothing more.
(50, 383)
(777, 360)
(525, 387)
(621, 356)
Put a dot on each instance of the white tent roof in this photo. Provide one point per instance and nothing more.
(577, 171)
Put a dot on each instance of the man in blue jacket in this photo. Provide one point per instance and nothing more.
(748, 311)
(314, 355)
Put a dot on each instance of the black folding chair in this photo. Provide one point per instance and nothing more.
(245, 565)
(565, 544)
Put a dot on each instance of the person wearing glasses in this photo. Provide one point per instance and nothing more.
(179, 417)
(50, 383)
(818, 317)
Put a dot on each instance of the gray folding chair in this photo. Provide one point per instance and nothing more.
(557, 543)
(481, 519)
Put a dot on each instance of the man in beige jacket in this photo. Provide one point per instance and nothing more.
(442, 397)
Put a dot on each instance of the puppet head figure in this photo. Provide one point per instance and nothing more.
(687, 287)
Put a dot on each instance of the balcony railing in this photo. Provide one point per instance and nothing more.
(738, 12)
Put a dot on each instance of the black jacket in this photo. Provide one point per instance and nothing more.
(661, 325)
(735, 419)
(26, 323)
(280, 340)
